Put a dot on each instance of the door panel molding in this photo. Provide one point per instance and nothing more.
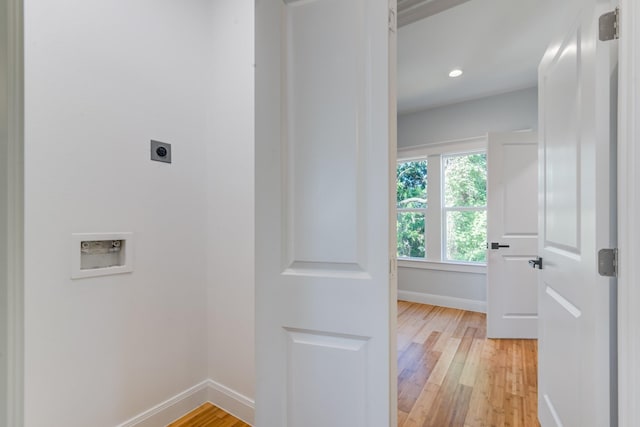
(316, 139)
(307, 402)
(565, 150)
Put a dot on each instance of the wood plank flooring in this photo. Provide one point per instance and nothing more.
(450, 374)
(208, 415)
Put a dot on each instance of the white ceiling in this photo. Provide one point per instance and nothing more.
(498, 44)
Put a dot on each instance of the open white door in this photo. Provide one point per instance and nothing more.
(577, 348)
(325, 306)
(512, 234)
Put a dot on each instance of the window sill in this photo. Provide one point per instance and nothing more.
(442, 266)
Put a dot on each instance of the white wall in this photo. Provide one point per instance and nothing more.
(102, 79)
(507, 112)
(230, 230)
(510, 111)
(449, 288)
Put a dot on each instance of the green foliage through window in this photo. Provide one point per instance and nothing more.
(411, 235)
(465, 180)
(412, 185)
(465, 199)
(411, 202)
(464, 213)
(466, 236)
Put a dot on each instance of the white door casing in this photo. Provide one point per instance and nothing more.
(629, 215)
(324, 271)
(577, 349)
(512, 220)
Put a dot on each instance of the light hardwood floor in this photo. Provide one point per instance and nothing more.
(449, 375)
(208, 415)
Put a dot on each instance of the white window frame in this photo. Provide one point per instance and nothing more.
(434, 227)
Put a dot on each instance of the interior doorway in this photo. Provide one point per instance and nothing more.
(465, 69)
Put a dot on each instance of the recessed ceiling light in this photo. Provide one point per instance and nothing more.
(456, 72)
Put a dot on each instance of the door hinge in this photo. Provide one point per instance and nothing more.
(392, 20)
(608, 262)
(609, 25)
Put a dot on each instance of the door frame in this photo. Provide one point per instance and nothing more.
(628, 211)
(13, 280)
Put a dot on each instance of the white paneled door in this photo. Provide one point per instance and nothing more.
(577, 345)
(325, 156)
(512, 234)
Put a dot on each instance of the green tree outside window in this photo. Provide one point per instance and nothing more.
(464, 214)
(411, 202)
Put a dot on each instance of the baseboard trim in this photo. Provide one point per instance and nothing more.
(238, 405)
(172, 408)
(181, 404)
(443, 301)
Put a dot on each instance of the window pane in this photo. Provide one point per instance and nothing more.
(412, 184)
(465, 180)
(411, 235)
(466, 236)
